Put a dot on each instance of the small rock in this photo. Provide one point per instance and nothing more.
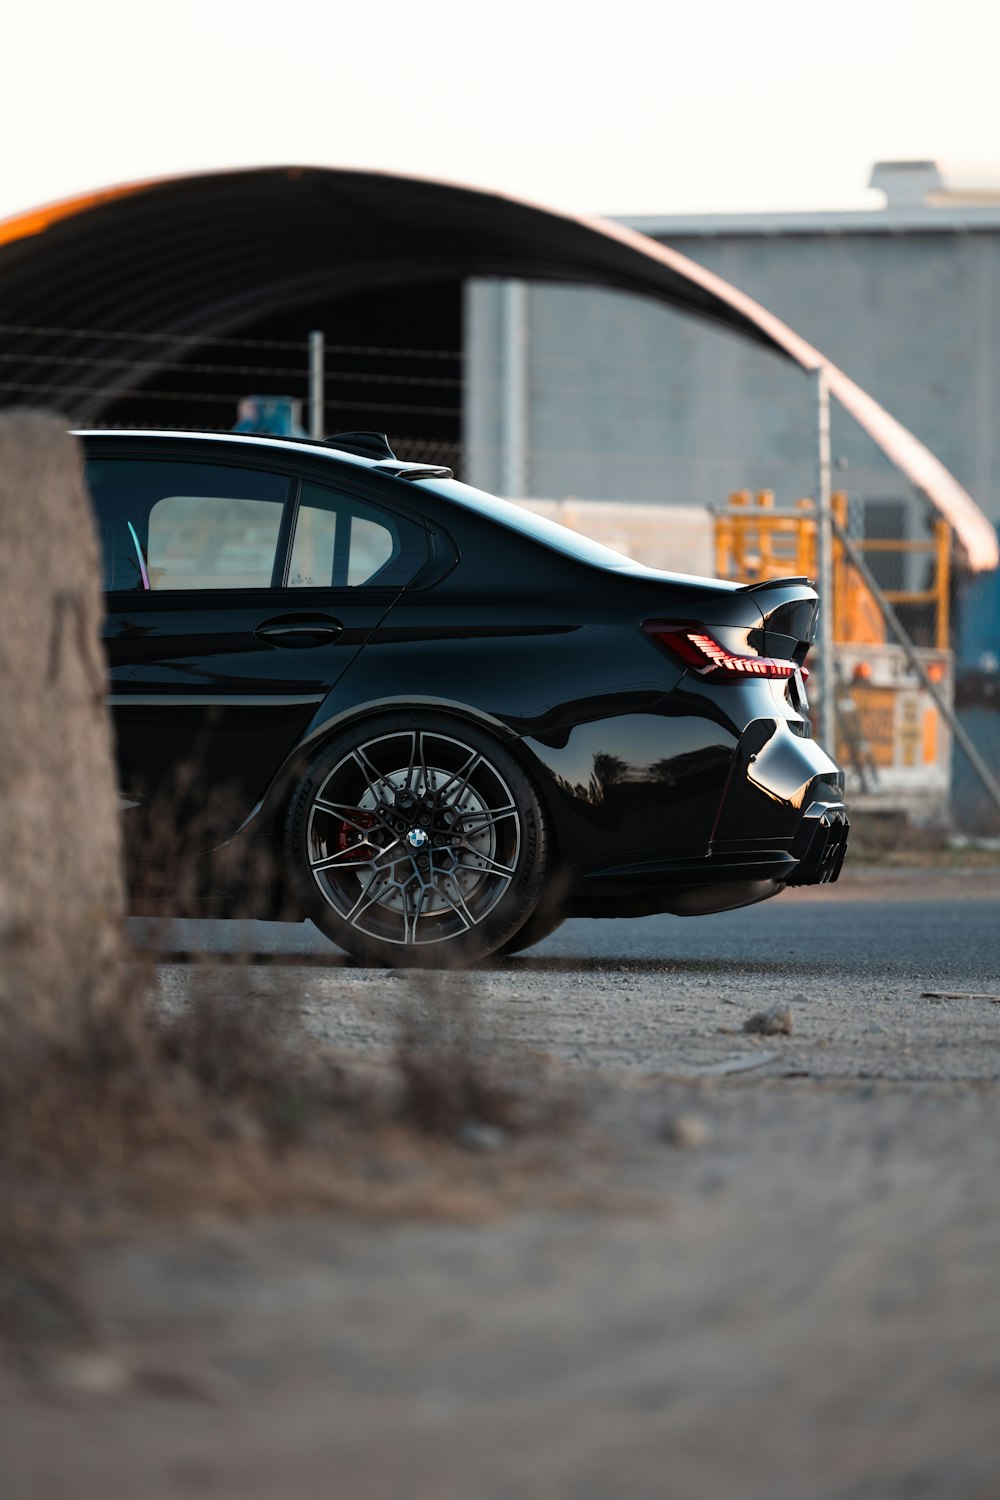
(689, 1131)
(171, 1385)
(94, 1372)
(475, 1136)
(774, 1022)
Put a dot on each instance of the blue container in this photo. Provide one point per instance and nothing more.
(277, 416)
(977, 636)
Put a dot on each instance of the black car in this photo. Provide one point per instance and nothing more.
(448, 724)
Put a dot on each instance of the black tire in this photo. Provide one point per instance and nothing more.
(541, 924)
(416, 841)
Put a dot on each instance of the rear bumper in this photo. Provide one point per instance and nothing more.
(782, 822)
(785, 793)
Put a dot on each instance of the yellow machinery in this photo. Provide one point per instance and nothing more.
(890, 736)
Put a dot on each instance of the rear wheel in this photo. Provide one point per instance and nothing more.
(416, 841)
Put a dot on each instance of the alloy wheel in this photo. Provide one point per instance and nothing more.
(413, 837)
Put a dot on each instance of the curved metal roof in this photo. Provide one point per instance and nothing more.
(204, 254)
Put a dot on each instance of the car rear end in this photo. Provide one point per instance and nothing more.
(782, 816)
(663, 717)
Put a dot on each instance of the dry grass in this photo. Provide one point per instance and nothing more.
(227, 1107)
(894, 839)
(449, 1079)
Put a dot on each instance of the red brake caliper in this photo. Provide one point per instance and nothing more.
(351, 840)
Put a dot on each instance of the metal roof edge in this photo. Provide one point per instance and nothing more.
(826, 222)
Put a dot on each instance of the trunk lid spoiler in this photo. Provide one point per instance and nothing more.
(790, 610)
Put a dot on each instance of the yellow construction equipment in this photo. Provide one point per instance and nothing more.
(889, 733)
(754, 541)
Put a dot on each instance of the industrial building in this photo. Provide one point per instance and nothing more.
(586, 367)
(615, 397)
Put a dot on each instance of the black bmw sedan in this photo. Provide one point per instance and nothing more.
(447, 723)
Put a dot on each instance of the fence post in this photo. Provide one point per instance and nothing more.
(824, 565)
(317, 362)
(514, 390)
(942, 574)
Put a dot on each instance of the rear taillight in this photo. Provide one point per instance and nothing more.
(700, 650)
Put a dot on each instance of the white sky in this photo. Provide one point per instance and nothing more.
(633, 106)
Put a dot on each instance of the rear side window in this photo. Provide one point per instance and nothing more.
(340, 542)
(166, 524)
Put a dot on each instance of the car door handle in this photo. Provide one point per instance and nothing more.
(299, 630)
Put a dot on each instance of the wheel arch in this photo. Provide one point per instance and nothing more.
(271, 810)
(533, 860)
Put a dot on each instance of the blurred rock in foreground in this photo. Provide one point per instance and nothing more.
(61, 894)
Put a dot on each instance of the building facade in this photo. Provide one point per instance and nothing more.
(585, 392)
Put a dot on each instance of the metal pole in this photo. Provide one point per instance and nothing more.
(976, 761)
(824, 566)
(514, 390)
(317, 366)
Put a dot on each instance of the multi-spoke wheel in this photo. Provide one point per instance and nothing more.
(417, 841)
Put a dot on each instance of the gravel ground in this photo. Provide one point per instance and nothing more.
(780, 1276)
(669, 996)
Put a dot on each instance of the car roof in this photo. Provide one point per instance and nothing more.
(513, 518)
(258, 441)
(236, 439)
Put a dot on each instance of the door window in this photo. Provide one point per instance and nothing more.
(166, 524)
(212, 542)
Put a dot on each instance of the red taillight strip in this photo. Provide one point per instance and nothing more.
(703, 652)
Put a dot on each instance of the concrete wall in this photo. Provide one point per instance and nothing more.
(629, 400)
(677, 538)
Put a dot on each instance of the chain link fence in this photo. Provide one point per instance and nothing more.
(900, 755)
(941, 607)
(893, 564)
(124, 378)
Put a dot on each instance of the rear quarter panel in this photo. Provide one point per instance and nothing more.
(548, 653)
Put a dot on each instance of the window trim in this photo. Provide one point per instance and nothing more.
(98, 452)
(283, 546)
(440, 552)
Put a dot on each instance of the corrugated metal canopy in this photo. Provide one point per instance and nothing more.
(202, 255)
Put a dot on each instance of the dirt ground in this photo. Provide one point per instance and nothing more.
(760, 1266)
